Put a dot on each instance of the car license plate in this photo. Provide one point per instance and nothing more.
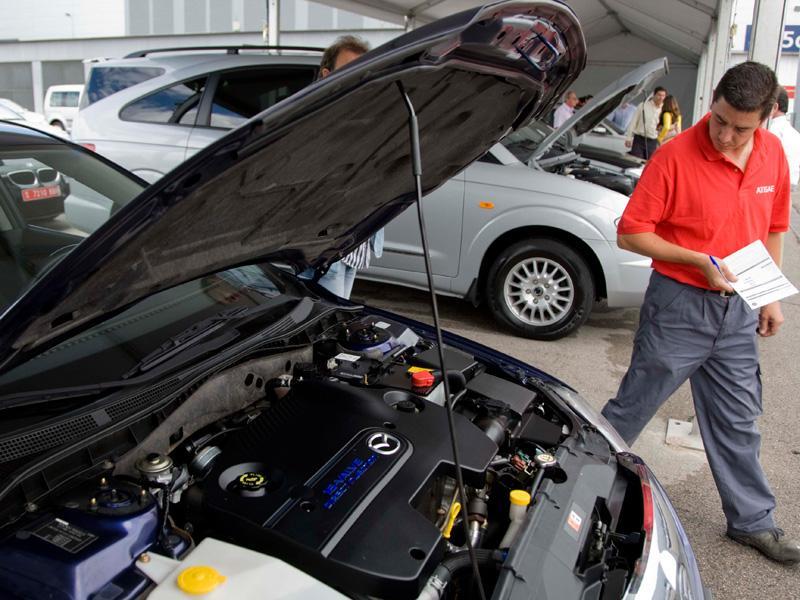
(40, 193)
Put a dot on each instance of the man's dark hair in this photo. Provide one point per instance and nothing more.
(782, 100)
(345, 42)
(748, 87)
(658, 88)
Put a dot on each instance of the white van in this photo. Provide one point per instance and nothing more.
(61, 104)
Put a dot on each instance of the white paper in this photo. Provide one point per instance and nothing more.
(760, 280)
(344, 356)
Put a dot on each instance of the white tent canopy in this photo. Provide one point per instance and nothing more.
(680, 26)
(620, 34)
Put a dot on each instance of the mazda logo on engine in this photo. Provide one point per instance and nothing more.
(383, 443)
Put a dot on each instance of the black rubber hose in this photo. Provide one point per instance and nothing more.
(457, 381)
(461, 560)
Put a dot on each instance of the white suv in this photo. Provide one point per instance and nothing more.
(151, 110)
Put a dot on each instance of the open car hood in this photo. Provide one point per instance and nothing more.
(307, 180)
(605, 102)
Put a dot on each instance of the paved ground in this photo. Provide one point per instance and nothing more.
(594, 360)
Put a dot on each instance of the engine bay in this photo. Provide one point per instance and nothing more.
(341, 466)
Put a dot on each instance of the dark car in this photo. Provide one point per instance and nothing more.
(182, 415)
(37, 189)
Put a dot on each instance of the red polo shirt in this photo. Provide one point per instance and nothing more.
(693, 196)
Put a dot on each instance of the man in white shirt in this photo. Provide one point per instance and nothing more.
(566, 110)
(790, 138)
(643, 129)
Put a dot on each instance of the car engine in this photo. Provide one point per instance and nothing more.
(342, 468)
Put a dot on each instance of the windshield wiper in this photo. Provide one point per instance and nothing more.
(218, 329)
(189, 337)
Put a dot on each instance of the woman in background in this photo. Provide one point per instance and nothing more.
(669, 123)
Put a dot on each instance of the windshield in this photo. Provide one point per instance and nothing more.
(51, 197)
(108, 351)
(523, 142)
(8, 114)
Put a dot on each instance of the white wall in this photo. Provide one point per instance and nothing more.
(607, 63)
(46, 19)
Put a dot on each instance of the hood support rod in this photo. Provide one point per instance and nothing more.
(416, 166)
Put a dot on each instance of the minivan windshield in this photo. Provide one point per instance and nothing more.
(52, 195)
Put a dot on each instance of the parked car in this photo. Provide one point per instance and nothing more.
(13, 112)
(536, 244)
(180, 416)
(61, 104)
(37, 189)
(606, 136)
(152, 110)
(29, 116)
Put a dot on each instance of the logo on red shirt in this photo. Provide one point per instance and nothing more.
(765, 189)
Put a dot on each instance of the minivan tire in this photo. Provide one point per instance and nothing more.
(540, 288)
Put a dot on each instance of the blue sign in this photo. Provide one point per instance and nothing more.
(790, 43)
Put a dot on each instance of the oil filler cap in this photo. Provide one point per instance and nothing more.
(199, 579)
(252, 481)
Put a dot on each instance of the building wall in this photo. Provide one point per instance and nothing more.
(56, 72)
(16, 82)
(29, 66)
(51, 19)
(787, 70)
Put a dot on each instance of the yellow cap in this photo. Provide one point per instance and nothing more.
(199, 579)
(520, 497)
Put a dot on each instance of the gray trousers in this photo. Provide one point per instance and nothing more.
(689, 333)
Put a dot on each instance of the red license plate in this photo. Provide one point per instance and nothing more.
(40, 193)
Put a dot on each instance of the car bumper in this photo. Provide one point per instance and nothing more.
(668, 568)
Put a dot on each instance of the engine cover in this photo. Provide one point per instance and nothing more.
(326, 480)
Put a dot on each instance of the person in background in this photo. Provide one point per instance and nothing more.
(622, 115)
(583, 100)
(670, 122)
(643, 129)
(716, 188)
(788, 135)
(566, 110)
(341, 275)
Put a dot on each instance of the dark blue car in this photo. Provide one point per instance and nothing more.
(181, 415)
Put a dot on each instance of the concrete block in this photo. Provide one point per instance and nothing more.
(684, 434)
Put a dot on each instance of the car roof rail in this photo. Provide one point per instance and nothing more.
(228, 49)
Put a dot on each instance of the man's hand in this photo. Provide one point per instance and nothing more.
(718, 279)
(628, 143)
(770, 319)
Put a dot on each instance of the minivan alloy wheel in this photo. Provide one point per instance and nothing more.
(541, 288)
(539, 291)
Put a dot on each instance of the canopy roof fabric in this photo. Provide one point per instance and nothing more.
(679, 26)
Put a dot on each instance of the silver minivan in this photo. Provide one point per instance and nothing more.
(529, 230)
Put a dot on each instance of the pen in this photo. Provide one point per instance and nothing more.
(716, 264)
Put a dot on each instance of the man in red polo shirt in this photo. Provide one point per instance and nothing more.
(714, 189)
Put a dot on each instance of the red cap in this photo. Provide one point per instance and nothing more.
(422, 379)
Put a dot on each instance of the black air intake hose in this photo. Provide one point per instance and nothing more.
(460, 560)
